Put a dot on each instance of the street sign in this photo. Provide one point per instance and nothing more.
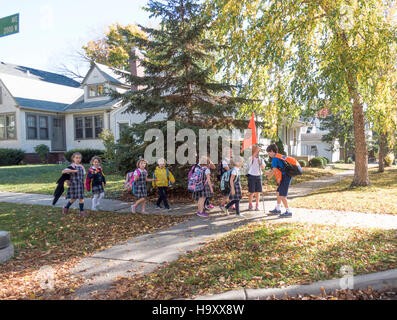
(9, 25)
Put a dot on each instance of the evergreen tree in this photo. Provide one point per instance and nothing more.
(180, 68)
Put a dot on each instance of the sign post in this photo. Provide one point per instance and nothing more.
(9, 25)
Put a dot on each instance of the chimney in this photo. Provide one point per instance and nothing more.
(136, 68)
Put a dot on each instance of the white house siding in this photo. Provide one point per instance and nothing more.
(8, 105)
(71, 143)
(323, 149)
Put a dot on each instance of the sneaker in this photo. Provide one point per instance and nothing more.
(167, 208)
(240, 215)
(275, 211)
(250, 208)
(203, 214)
(257, 208)
(209, 207)
(286, 214)
(225, 210)
(65, 210)
(133, 208)
(159, 207)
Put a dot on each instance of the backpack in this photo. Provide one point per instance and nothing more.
(88, 181)
(221, 170)
(225, 181)
(195, 182)
(291, 165)
(129, 182)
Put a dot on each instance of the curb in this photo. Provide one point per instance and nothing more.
(6, 253)
(4, 239)
(379, 281)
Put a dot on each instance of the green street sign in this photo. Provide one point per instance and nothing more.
(9, 25)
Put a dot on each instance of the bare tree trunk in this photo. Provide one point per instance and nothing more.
(381, 153)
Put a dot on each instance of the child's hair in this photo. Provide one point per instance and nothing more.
(161, 161)
(139, 162)
(76, 154)
(273, 148)
(235, 160)
(95, 158)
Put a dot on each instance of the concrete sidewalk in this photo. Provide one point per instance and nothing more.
(145, 253)
(118, 206)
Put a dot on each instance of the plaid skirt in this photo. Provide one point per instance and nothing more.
(76, 190)
(237, 188)
(97, 189)
(205, 193)
(140, 189)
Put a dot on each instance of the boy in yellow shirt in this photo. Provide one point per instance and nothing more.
(164, 180)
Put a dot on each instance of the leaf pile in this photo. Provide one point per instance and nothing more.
(262, 256)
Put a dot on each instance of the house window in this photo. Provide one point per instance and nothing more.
(91, 91)
(32, 127)
(96, 91)
(88, 127)
(37, 127)
(7, 127)
(43, 128)
(122, 126)
(98, 126)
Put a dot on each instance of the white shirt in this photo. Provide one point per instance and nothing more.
(254, 166)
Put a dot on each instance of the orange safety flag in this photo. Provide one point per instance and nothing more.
(250, 138)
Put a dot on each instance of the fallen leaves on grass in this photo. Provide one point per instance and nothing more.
(262, 256)
(44, 237)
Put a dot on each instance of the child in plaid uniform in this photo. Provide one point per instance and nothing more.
(76, 188)
(98, 183)
(140, 178)
(235, 186)
(207, 191)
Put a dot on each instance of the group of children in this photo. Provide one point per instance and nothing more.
(199, 182)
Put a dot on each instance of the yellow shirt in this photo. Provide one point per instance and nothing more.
(161, 176)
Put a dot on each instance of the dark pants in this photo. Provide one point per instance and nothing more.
(237, 203)
(207, 202)
(163, 197)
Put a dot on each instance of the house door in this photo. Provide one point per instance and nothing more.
(58, 142)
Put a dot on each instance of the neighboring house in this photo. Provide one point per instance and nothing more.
(313, 146)
(290, 135)
(39, 107)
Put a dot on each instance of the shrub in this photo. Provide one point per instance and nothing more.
(86, 153)
(303, 163)
(317, 162)
(107, 139)
(326, 161)
(389, 159)
(42, 150)
(9, 157)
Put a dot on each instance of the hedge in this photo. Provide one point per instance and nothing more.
(317, 162)
(86, 153)
(10, 157)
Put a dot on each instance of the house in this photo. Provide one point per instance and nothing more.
(313, 146)
(40, 107)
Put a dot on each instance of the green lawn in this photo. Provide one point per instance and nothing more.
(42, 236)
(265, 255)
(41, 179)
(379, 197)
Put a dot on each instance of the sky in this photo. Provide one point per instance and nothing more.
(51, 31)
